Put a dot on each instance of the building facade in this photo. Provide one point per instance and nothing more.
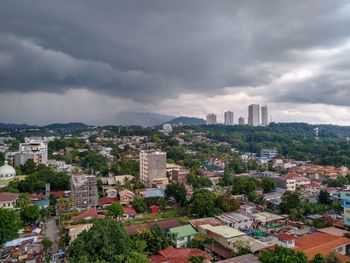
(211, 119)
(254, 115)
(264, 115)
(241, 121)
(229, 118)
(84, 191)
(153, 168)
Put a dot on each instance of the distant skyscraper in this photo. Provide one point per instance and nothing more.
(254, 115)
(229, 118)
(241, 121)
(211, 119)
(264, 116)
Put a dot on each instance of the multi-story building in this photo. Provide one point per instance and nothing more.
(345, 198)
(264, 115)
(84, 191)
(211, 119)
(268, 153)
(254, 115)
(229, 118)
(241, 121)
(153, 168)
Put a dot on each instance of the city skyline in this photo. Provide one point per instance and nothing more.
(94, 61)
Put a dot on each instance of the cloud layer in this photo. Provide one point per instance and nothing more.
(177, 57)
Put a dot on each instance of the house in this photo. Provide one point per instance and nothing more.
(8, 200)
(126, 197)
(152, 192)
(88, 215)
(106, 201)
(113, 193)
(75, 230)
(205, 221)
(266, 219)
(129, 213)
(154, 209)
(182, 235)
(179, 255)
(313, 188)
(249, 258)
(285, 240)
(221, 234)
(323, 243)
(236, 220)
(121, 179)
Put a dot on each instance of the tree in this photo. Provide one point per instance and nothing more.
(321, 223)
(282, 255)
(23, 200)
(324, 197)
(268, 185)
(176, 191)
(9, 225)
(115, 210)
(319, 258)
(47, 243)
(139, 204)
(227, 202)
(203, 203)
(241, 247)
(196, 259)
(106, 240)
(154, 238)
(332, 258)
(31, 214)
(29, 167)
(289, 201)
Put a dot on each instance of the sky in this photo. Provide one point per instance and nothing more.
(82, 60)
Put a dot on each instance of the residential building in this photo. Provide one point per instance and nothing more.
(288, 184)
(264, 115)
(182, 235)
(179, 255)
(248, 258)
(84, 191)
(285, 240)
(268, 153)
(323, 243)
(153, 168)
(229, 118)
(75, 230)
(254, 115)
(211, 119)
(265, 219)
(236, 220)
(241, 121)
(180, 176)
(126, 197)
(345, 201)
(8, 200)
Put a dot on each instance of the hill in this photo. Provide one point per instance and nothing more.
(187, 121)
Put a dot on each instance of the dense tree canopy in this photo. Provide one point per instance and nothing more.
(204, 203)
(176, 191)
(9, 224)
(282, 255)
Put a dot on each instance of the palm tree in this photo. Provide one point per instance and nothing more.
(61, 203)
(118, 186)
(69, 202)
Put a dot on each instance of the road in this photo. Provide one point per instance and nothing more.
(52, 233)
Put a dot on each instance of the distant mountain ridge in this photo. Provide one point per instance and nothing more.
(187, 121)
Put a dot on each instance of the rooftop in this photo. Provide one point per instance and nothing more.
(8, 197)
(183, 231)
(224, 231)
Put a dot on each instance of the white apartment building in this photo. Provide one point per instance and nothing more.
(153, 168)
(211, 119)
(229, 118)
(254, 115)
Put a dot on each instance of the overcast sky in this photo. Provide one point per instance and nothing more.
(86, 60)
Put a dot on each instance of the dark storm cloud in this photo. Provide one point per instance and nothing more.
(150, 50)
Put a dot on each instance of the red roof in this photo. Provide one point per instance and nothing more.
(87, 214)
(283, 236)
(8, 197)
(107, 200)
(130, 211)
(58, 194)
(178, 255)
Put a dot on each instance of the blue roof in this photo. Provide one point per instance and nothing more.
(42, 203)
(158, 192)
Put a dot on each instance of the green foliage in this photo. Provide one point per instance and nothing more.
(47, 243)
(204, 203)
(196, 259)
(268, 185)
(282, 255)
(241, 248)
(115, 210)
(244, 185)
(197, 180)
(319, 258)
(139, 204)
(106, 240)
(126, 166)
(227, 202)
(324, 197)
(154, 238)
(332, 258)
(23, 200)
(176, 191)
(29, 167)
(290, 200)
(9, 225)
(321, 223)
(30, 214)
(92, 161)
(35, 182)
